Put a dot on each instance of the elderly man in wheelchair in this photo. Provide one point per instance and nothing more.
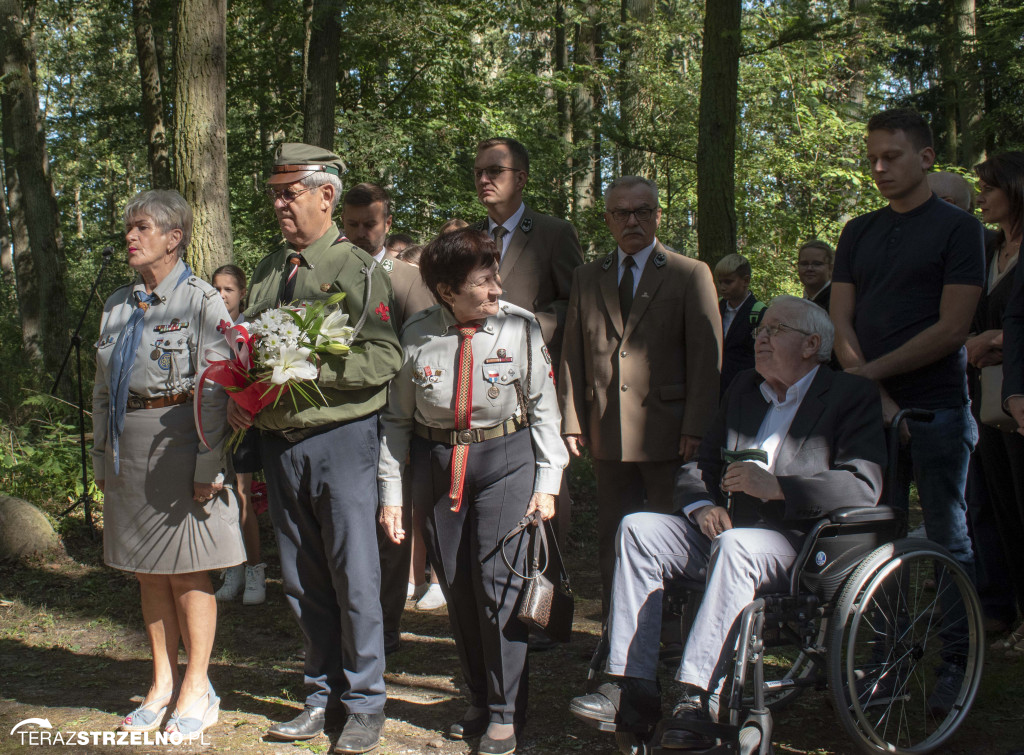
(820, 436)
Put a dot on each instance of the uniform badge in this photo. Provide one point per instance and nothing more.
(546, 353)
(526, 225)
(164, 362)
(501, 352)
(325, 287)
(383, 312)
(388, 265)
(491, 376)
(660, 260)
(172, 327)
(608, 261)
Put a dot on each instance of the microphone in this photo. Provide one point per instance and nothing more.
(108, 252)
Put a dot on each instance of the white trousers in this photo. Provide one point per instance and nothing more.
(652, 548)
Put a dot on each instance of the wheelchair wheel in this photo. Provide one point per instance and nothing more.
(631, 743)
(905, 659)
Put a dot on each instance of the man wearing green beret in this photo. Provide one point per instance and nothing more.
(321, 460)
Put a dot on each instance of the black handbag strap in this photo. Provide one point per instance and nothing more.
(540, 546)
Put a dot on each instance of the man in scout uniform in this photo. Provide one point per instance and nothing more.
(638, 382)
(366, 217)
(320, 460)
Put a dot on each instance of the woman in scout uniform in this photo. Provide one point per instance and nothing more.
(475, 405)
(167, 515)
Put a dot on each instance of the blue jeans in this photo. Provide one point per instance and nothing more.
(940, 452)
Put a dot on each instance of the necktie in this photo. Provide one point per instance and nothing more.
(463, 411)
(499, 232)
(291, 267)
(122, 362)
(626, 288)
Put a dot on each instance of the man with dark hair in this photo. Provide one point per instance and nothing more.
(366, 218)
(906, 282)
(396, 243)
(538, 252)
(366, 215)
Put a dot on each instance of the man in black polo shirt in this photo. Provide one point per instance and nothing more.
(906, 282)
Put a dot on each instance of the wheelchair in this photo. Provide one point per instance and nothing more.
(891, 626)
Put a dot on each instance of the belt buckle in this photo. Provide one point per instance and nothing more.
(464, 437)
(135, 403)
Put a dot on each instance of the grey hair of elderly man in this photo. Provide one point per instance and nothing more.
(952, 187)
(810, 318)
(165, 207)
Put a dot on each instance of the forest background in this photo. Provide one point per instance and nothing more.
(749, 114)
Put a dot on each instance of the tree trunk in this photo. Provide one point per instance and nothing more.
(6, 243)
(200, 144)
(633, 100)
(969, 107)
(716, 131)
(152, 95)
(561, 56)
(35, 222)
(321, 72)
(586, 154)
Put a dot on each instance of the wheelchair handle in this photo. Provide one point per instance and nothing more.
(918, 415)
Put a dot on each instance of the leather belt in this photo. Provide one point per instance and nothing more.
(298, 434)
(466, 437)
(158, 402)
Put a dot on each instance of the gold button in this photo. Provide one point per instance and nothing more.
(625, 388)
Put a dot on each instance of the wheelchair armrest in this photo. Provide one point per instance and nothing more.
(862, 514)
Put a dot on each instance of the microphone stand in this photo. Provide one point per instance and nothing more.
(85, 499)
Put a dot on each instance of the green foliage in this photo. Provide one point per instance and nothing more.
(40, 459)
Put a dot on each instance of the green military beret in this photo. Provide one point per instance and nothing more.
(295, 161)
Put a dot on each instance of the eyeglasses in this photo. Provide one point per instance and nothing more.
(493, 172)
(810, 263)
(643, 214)
(287, 195)
(773, 330)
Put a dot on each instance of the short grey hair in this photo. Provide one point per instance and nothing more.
(628, 182)
(167, 209)
(809, 317)
(321, 177)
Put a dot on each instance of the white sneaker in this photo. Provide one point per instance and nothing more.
(410, 591)
(255, 585)
(432, 598)
(234, 580)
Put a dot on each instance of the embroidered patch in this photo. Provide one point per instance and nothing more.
(526, 225)
(608, 262)
(388, 264)
(660, 259)
(164, 362)
(383, 312)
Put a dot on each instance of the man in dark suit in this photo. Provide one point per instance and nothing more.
(538, 252)
(741, 312)
(638, 382)
(822, 433)
(814, 267)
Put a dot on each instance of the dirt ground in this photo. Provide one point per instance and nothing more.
(73, 652)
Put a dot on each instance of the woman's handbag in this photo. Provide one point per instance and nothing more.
(544, 604)
(991, 410)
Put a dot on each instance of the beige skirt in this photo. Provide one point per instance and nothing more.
(150, 522)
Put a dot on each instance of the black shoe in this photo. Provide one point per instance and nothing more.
(361, 733)
(539, 642)
(472, 727)
(306, 725)
(626, 700)
(490, 746)
(677, 736)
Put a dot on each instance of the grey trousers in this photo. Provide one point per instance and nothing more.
(464, 547)
(323, 502)
(652, 548)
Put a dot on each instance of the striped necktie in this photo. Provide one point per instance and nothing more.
(292, 269)
(463, 411)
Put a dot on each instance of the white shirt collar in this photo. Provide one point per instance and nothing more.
(827, 284)
(511, 223)
(379, 256)
(640, 258)
(736, 309)
(795, 394)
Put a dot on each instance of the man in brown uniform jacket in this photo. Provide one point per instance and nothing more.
(641, 359)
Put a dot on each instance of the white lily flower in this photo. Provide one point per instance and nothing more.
(292, 364)
(335, 326)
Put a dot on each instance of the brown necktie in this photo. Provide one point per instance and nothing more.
(499, 232)
(463, 411)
